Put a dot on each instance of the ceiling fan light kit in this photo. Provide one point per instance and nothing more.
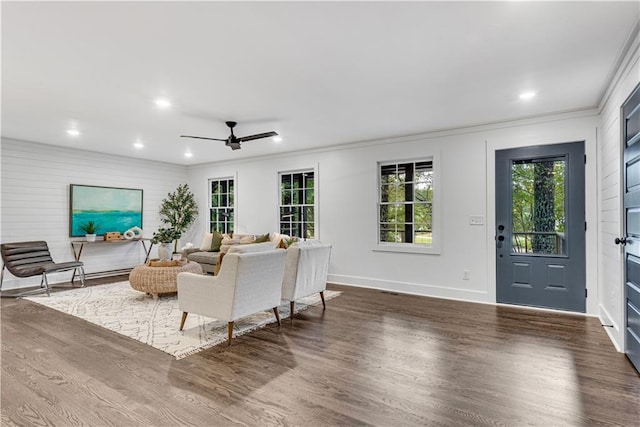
(233, 141)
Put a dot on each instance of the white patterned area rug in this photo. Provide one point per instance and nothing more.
(121, 309)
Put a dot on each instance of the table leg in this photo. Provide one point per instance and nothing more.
(76, 255)
(147, 251)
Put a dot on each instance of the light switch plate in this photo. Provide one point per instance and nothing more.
(476, 220)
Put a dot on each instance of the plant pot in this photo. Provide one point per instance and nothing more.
(165, 251)
(90, 237)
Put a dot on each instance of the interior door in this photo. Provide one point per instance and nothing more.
(540, 226)
(631, 224)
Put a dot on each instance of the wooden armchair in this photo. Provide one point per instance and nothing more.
(249, 281)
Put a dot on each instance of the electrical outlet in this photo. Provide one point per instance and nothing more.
(476, 220)
(466, 275)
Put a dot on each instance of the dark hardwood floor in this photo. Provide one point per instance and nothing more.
(371, 358)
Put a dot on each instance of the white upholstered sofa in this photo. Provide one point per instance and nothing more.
(305, 272)
(215, 245)
(249, 281)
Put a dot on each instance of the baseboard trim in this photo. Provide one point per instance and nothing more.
(408, 288)
(613, 331)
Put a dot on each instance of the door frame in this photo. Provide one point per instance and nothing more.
(578, 127)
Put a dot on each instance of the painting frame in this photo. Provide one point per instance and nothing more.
(112, 208)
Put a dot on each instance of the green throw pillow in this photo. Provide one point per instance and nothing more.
(216, 241)
(262, 239)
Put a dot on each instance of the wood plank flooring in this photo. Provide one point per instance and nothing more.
(372, 358)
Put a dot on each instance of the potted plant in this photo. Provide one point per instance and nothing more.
(89, 228)
(165, 237)
(179, 210)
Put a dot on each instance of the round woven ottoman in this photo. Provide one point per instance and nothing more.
(159, 280)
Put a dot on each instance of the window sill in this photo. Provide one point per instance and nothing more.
(406, 248)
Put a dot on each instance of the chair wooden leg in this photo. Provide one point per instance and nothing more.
(184, 319)
(292, 305)
(275, 311)
(230, 332)
(322, 297)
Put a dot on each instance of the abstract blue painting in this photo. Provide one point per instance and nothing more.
(111, 209)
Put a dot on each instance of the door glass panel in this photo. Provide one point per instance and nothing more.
(538, 213)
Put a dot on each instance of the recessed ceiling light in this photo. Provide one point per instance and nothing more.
(138, 145)
(163, 103)
(527, 95)
(187, 154)
(73, 132)
(277, 138)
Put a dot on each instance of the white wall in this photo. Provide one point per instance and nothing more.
(347, 179)
(35, 200)
(611, 279)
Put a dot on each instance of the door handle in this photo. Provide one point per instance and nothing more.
(621, 241)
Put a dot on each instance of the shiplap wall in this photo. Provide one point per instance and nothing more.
(35, 200)
(611, 278)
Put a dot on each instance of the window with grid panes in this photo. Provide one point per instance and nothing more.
(405, 204)
(221, 197)
(297, 204)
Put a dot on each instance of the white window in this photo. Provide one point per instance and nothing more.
(297, 204)
(221, 208)
(406, 206)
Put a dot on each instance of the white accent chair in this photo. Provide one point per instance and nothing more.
(249, 281)
(305, 271)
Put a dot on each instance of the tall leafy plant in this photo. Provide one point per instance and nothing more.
(179, 210)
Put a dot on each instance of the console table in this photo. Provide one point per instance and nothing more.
(78, 246)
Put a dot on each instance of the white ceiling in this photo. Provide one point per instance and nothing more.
(318, 73)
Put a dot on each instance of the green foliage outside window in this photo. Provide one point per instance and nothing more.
(538, 206)
(406, 203)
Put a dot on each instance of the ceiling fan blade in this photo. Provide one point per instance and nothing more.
(257, 136)
(202, 137)
(234, 145)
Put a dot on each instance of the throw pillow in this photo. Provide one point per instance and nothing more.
(263, 238)
(206, 242)
(227, 242)
(247, 239)
(216, 241)
(291, 241)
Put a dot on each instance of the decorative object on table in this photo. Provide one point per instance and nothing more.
(89, 228)
(171, 263)
(112, 236)
(179, 210)
(123, 310)
(113, 208)
(165, 237)
(133, 233)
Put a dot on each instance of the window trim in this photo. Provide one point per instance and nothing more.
(435, 248)
(316, 186)
(235, 200)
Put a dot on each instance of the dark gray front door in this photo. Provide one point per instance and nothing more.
(631, 239)
(540, 226)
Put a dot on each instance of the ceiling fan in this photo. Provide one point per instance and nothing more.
(233, 141)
